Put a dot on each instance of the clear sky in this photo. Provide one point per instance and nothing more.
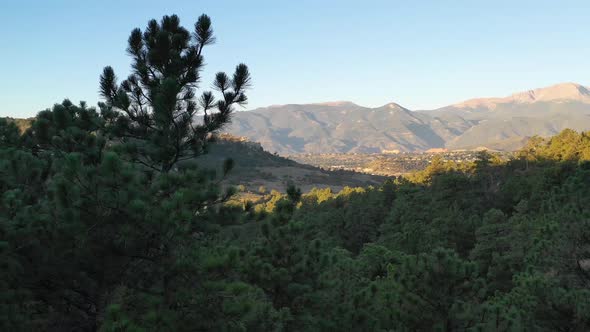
(420, 54)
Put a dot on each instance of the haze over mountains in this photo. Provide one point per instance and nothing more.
(344, 127)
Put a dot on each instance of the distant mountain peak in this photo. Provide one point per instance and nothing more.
(562, 91)
(393, 106)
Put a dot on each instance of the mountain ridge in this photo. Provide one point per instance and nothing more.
(561, 91)
(345, 127)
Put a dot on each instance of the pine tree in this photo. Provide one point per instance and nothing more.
(101, 230)
(154, 111)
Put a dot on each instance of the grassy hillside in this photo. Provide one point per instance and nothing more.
(254, 168)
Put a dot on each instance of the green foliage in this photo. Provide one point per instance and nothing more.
(568, 145)
(9, 136)
(153, 112)
(436, 291)
(100, 230)
(491, 245)
(92, 239)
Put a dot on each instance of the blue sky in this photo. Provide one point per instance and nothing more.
(420, 54)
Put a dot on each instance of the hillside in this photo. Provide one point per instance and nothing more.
(254, 168)
(22, 124)
(344, 127)
(489, 244)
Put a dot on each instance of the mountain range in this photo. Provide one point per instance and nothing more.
(344, 127)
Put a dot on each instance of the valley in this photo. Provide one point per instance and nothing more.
(387, 164)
